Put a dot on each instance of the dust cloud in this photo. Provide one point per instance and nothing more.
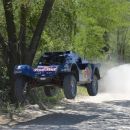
(115, 84)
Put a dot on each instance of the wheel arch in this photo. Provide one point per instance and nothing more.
(96, 72)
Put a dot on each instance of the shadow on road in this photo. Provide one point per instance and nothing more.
(59, 119)
(75, 115)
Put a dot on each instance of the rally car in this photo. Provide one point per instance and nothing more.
(65, 70)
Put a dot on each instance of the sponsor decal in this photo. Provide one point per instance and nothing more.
(45, 68)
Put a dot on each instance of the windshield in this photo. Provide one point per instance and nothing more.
(47, 60)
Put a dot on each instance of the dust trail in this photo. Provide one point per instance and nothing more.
(117, 80)
(115, 84)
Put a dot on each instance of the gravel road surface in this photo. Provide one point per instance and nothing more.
(102, 112)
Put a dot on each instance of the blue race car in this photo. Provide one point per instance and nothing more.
(65, 70)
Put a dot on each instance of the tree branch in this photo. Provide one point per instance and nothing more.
(39, 29)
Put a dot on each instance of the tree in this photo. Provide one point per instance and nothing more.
(60, 27)
(121, 43)
(97, 20)
(15, 46)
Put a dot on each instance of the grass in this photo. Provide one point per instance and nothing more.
(38, 96)
(82, 91)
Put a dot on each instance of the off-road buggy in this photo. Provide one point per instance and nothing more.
(65, 70)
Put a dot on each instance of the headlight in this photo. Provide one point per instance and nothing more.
(19, 67)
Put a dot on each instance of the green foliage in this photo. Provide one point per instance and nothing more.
(59, 28)
(4, 89)
(37, 96)
(94, 17)
(76, 25)
(82, 91)
(59, 31)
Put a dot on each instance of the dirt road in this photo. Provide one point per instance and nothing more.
(103, 112)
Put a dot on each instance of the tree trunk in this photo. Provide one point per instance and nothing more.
(13, 56)
(121, 43)
(4, 47)
(106, 42)
(22, 33)
(11, 30)
(16, 47)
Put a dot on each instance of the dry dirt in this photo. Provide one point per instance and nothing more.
(102, 112)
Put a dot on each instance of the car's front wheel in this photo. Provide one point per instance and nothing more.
(70, 86)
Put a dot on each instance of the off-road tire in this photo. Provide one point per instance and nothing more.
(70, 86)
(92, 87)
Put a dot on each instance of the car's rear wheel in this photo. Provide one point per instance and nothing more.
(92, 87)
(20, 89)
(70, 86)
(50, 91)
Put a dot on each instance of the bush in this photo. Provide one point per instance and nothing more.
(4, 83)
(37, 96)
